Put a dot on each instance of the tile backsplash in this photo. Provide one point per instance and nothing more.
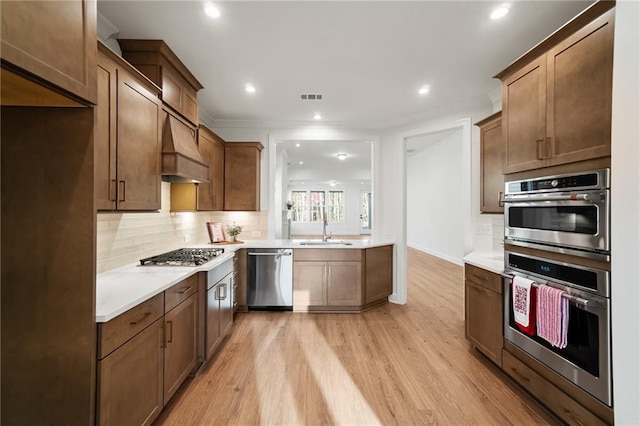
(124, 238)
(489, 233)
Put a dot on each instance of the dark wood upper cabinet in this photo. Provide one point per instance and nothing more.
(556, 99)
(211, 194)
(242, 176)
(127, 137)
(157, 61)
(491, 177)
(52, 43)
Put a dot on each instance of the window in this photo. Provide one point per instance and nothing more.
(336, 206)
(317, 205)
(309, 205)
(299, 209)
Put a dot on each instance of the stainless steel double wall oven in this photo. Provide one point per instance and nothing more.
(557, 231)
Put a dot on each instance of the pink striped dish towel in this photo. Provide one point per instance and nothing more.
(552, 314)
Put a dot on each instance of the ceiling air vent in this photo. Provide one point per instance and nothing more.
(311, 97)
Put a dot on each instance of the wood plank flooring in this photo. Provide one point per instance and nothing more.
(392, 365)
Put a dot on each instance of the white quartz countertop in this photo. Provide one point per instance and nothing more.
(121, 289)
(491, 261)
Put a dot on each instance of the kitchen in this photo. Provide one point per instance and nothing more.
(389, 178)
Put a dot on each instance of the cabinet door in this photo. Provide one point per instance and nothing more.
(105, 136)
(344, 283)
(579, 81)
(483, 320)
(130, 380)
(212, 325)
(309, 284)
(226, 304)
(491, 178)
(242, 176)
(53, 40)
(139, 145)
(180, 354)
(378, 273)
(523, 118)
(205, 189)
(217, 174)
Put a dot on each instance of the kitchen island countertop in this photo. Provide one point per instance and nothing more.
(121, 289)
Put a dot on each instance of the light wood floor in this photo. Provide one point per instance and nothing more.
(392, 365)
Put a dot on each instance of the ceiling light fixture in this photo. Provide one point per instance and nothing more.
(211, 10)
(297, 145)
(332, 183)
(317, 116)
(499, 12)
(342, 156)
(301, 163)
(250, 88)
(423, 90)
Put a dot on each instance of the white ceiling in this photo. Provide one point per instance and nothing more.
(368, 59)
(321, 164)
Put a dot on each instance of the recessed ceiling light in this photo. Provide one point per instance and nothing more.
(211, 10)
(317, 116)
(301, 163)
(297, 145)
(423, 90)
(342, 156)
(250, 88)
(499, 12)
(332, 183)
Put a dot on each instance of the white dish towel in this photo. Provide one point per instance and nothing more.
(521, 300)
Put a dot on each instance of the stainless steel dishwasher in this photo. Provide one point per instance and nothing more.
(270, 279)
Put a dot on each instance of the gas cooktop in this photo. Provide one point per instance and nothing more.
(183, 257)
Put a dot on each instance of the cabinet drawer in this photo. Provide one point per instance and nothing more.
(180, 292)
(114, 333)
(327, 255)
(557, 401)
(483, 278)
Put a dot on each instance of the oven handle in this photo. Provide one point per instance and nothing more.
(589, 305)
(587, 196)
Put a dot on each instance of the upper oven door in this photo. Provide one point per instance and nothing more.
(578, 220)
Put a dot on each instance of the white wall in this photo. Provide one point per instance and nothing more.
(352, 210)
(435, 199)
(625, 214)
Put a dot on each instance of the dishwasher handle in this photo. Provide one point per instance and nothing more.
(286, 253)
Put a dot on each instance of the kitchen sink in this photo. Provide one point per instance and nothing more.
(325, 243)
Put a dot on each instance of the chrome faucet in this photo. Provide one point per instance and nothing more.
(324, 226)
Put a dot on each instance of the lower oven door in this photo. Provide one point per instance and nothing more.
(586, 361)
(563, 220)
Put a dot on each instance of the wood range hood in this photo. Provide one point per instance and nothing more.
(181, 158)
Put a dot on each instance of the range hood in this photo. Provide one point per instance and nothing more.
(181, 158)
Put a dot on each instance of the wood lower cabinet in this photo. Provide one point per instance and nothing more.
(219, 313)
(52, 43)
(491, 177)
(180, 353)
(573, 406)
(309, 284)
(344, 283)
(341, 279)
(127, 137)
(130, 380)
(556, 107)
(483, 311)
(378, 274)
(240, 281)
(242, 176)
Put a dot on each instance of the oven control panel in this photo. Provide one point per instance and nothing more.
(598, 179)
